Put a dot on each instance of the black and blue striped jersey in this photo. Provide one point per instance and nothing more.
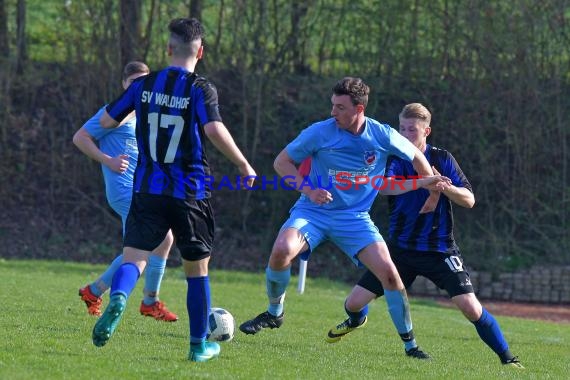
(424, 232)
(172, 106)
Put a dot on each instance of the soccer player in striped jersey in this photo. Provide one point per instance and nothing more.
(423, 243)
(117, 152)
(347, 150)
(176, 110)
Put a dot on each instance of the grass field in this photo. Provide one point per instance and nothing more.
(46, 334)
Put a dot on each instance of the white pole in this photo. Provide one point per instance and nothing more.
(302, 276)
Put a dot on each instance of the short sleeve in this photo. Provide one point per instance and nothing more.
(94, 128)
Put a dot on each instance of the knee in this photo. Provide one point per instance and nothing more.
(281, 255)
(469, 306)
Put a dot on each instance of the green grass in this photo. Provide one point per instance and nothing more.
(46, 334)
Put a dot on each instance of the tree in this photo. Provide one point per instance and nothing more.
(196, 9)
(21, 43)
(130, 30)
(4, 47)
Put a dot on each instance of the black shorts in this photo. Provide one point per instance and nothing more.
(151, 216)
(444, 270)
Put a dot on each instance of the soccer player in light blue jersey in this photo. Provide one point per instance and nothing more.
(348, 152)
(117, 152)
(423, 244)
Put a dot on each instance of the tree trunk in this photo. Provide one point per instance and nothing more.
(196, 9)
(21, 43)
(130, 31)
(4, 47)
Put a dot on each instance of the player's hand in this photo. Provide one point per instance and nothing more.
(435, 183)
(248, 174)
(119, 164)
(320, 196)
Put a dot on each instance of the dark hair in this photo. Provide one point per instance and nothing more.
(353, 87)
(135, 67)
(186, 29)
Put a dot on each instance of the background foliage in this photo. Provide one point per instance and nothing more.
(494, 74)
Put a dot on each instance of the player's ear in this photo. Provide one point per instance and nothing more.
(200, 52)
(427, 131)
(360, 108)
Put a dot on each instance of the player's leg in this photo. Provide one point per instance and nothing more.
(146, 228)
(151, 306)
(357, 236)
(303, 230)
(193, 225)
(455, 280)
(377, 259)
(123, 284)
(198, 304)
(91, 293)
(289, 243)
(356, 307)
(367, 289)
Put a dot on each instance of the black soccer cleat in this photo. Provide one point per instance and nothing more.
(513, 362)
(417, 353)
(262, 321)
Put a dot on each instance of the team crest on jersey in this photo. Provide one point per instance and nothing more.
(370, 157)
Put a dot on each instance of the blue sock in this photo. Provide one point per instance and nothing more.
(399, 309)
(103, 283)
(276, 285)
(488, 329)
(125, 279)
(356, 317)
(153, 278)
(198, 305)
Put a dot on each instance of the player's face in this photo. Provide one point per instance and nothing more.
(127, 82)
(415, 130)
(344, 112)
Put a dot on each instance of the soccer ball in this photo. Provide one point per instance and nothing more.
(221, 325)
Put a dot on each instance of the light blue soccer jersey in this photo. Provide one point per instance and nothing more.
(343, 162)
(118, 186)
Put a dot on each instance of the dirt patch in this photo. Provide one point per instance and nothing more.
(553, 313)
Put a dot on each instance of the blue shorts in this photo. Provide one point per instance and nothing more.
(350, 231)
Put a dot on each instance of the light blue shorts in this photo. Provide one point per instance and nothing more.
(350, 231)
(121, 207)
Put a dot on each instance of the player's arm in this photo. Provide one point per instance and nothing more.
(219, 135)
(423, 168)
(394, 186)
(461, 196)
(285, 166)
(86, 144)
(107, 121)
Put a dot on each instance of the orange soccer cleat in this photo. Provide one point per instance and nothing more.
(91, 300)
(158, 311)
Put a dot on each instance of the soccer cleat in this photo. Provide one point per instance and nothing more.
(262, 321)
(108, 322)
(336, 333)
(514, 362)
(417, 353)
(204, 351)
(158, 311)
(91, 300)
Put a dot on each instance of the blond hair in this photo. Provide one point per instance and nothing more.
(415, 111)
